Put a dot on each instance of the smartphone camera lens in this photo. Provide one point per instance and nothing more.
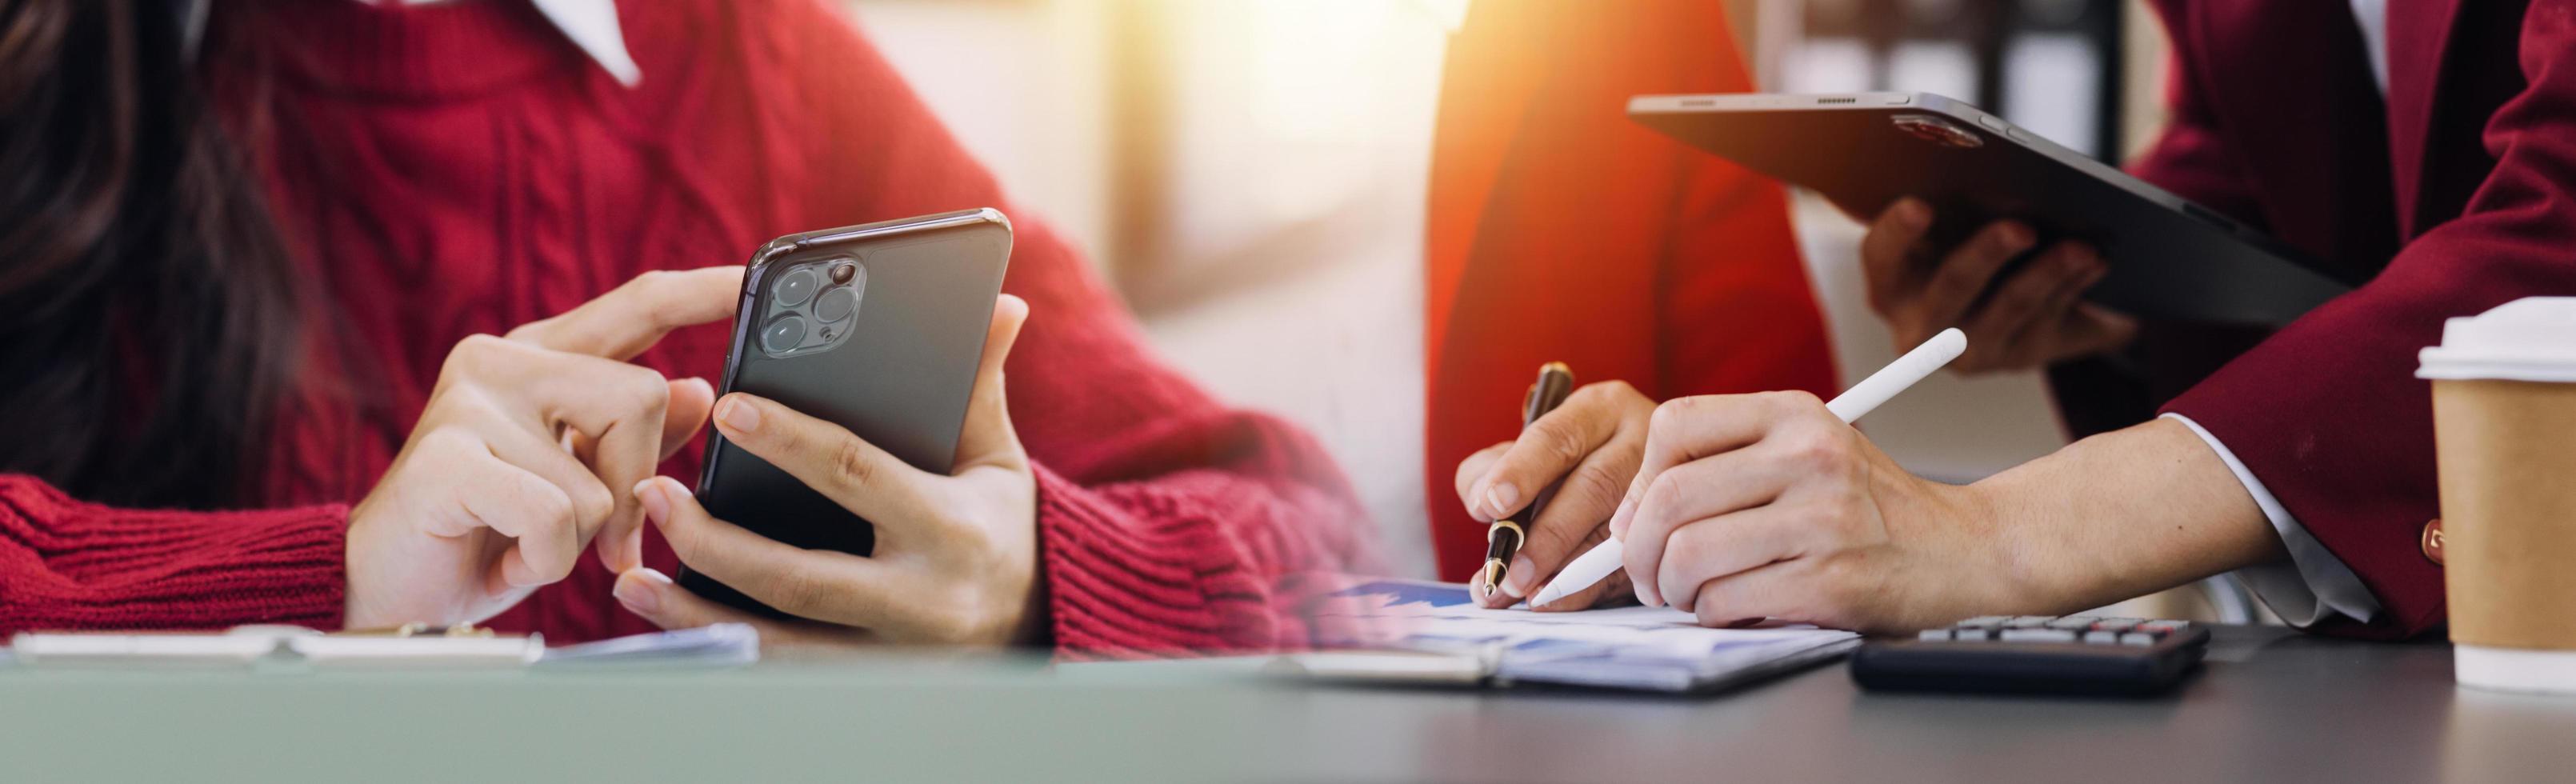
(795, 288)
(783, 334)
(837, 304)
(844, 271)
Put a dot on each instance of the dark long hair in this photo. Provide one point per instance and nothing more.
(148, 323)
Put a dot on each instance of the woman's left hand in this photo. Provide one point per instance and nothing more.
(955, 559)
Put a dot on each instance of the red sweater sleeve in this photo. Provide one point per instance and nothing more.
(1199, 558)
(2329, 414)
(70, 565)
(1168, 522)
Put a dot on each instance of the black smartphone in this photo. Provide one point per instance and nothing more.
(878, 328)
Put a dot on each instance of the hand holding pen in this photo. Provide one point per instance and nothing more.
(1503, 536)
(1583, 452)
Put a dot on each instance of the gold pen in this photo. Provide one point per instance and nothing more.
(1503, 538)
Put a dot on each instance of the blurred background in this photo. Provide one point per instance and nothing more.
(1250, 174)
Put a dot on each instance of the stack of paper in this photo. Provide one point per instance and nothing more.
(1652, 648)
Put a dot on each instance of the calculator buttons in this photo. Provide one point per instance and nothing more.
(2048, 654)
(2038, 635)
(2048, 629)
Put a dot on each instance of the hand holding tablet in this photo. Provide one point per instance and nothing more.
(2161, 256)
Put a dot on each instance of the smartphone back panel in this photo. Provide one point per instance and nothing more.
(898, 372)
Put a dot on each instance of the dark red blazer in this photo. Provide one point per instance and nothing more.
(2458, 190)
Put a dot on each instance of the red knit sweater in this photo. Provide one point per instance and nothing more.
(456, 169)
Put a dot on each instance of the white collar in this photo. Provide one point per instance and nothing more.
(591, 24)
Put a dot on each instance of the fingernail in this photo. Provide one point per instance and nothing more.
(1619, 518)
(1475, 500)
(1500, 498)
(657, 504)
(2017, 237)
(738, 415)
(639, 592)
(1522, 573)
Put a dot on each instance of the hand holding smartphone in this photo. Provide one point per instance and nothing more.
(878, 329)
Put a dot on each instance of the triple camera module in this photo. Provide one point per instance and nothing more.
(812, 307)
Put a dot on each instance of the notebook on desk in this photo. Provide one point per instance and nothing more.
(1444, 637)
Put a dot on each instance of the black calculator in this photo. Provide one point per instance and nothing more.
(2037, 654)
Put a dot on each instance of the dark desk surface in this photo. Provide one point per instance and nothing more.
(2272, 706)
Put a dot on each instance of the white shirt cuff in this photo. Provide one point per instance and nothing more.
(2314, 585)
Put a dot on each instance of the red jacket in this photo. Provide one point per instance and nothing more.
(455, 169)
(1559, 230)
(2459, 190)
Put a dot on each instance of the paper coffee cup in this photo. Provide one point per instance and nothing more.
(2504, 432)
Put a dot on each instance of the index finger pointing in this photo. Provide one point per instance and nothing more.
(632, 317)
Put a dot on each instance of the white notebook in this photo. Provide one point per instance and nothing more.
(1644, 648)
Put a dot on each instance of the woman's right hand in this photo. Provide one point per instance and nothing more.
(1593, 443)
(510, 470)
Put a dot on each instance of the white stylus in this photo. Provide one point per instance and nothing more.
(1595, 565)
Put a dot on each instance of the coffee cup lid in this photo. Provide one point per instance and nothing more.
(2529, 339)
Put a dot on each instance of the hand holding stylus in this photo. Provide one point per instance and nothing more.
(1732, 488)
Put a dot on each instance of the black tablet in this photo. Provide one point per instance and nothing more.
(2169, 258)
